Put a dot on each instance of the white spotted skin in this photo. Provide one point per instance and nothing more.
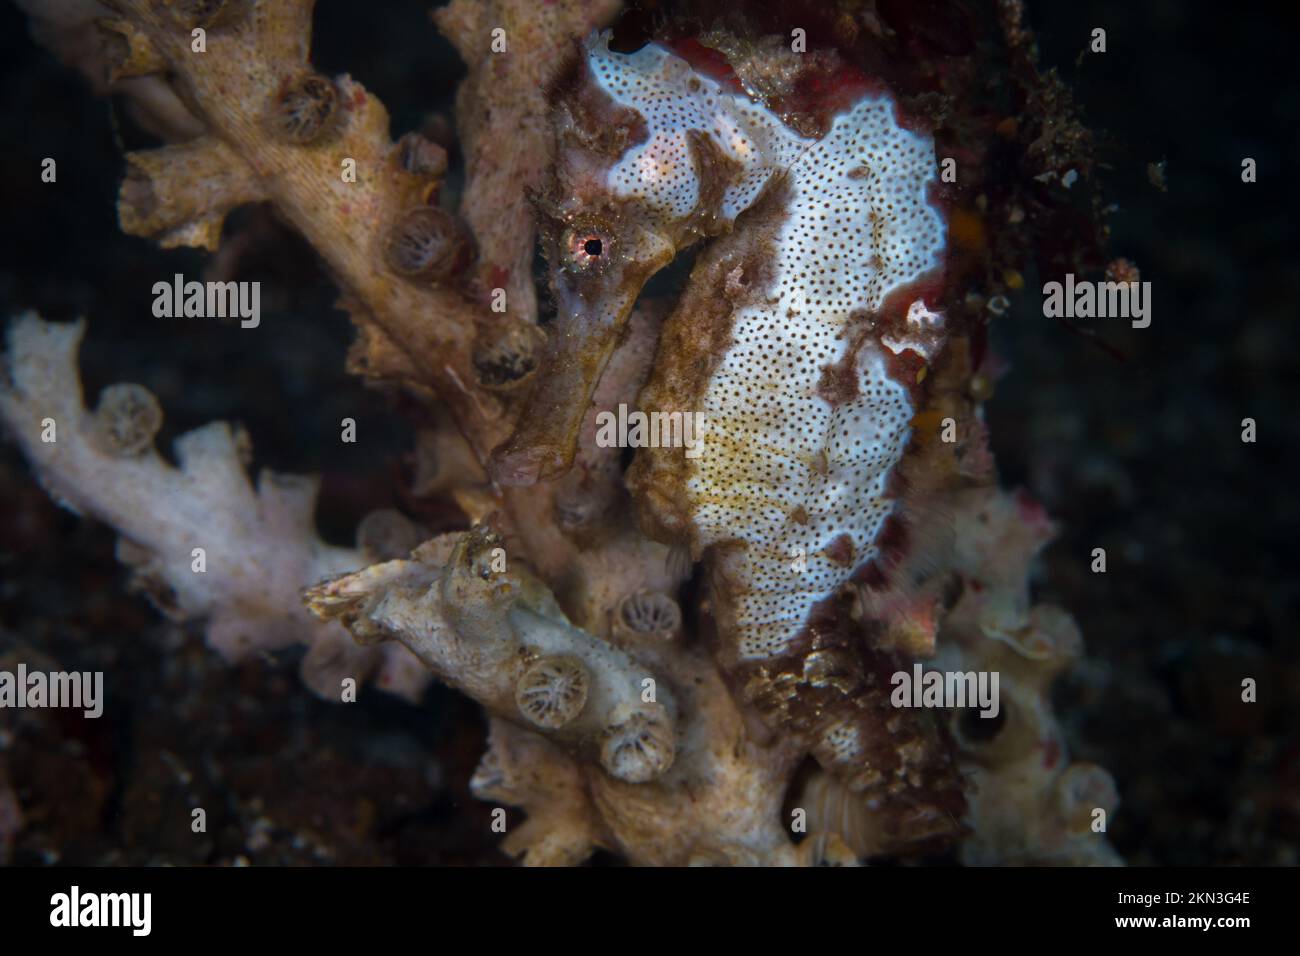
(673, 99)
(783, 472)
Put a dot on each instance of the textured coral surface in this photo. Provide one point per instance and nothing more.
(609, 622)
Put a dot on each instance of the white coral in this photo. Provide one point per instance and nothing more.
(257, 547)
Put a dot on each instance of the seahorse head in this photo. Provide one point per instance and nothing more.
(651, 155)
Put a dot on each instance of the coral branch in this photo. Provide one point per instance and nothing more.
(671, 782)
(180, 195)
(1028, 803)
(526, 770)
(500, 638)
(201, 540)
(297, 135)
(504, 102)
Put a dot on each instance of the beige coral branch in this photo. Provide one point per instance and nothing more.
(298, 136)
(180, 195)
(288, 133)
(73, 31)
(498, 636)
(673, 780)
(502, 118)
(526, 770)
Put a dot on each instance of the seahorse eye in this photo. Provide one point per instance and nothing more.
(585, 249)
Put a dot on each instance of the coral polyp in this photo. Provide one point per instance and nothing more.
(553, 691)
(304, 108)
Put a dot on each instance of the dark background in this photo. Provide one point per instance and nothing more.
(1139, 454)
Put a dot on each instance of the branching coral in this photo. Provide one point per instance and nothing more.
(715, 731)
(279, 131)
(1029, 803)
(500, 637)
(319, 150)
(201, 540)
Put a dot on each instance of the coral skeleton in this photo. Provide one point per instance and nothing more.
(688, 660)
(202, 541)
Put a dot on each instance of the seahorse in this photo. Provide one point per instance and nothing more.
(801, 336)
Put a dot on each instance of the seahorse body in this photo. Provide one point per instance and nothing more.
(799, 336)
(797, 460)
